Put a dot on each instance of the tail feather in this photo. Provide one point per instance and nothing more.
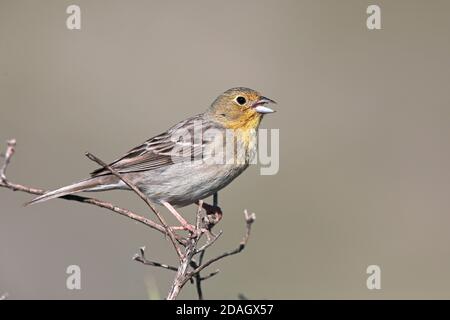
(85, 185)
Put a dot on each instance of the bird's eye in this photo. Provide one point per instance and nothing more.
(241, 100)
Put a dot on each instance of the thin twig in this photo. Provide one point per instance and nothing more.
(4, 183)
(180, 277)
(198, 216)
(188, 269)
(209, 243)
(183, 277)
(8, 155)
(249, 219)
(198, 281)
(198, 278)
(140, 257)
(212, 274)
(143, 197)
(99, 203)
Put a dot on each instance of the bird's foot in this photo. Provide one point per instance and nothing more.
(213, 214)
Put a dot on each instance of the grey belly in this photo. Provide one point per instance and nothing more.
(183, 184)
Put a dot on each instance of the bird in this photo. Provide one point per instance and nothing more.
(192, 160)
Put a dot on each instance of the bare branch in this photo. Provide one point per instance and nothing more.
(8, 155)
(189, 268)
(180, 277)
(199, 216)
(140, 257)
(183, 276)
(249, 219)
(197, 277)
(209, 243)
(99, 203)
(143, 197)
(212, 274)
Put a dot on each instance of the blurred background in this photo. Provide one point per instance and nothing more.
(364, 143)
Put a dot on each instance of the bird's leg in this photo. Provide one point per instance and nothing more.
(184, 224)
(216, 199)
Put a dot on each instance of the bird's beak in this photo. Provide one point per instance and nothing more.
(260, 107)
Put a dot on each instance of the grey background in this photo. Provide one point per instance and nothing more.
(364, 154)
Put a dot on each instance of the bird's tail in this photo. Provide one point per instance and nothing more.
(91, 184)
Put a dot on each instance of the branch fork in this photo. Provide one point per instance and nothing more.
(190, 249)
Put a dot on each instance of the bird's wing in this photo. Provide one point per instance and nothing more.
(177, 144)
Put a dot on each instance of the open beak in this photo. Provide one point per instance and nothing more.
(260, 107)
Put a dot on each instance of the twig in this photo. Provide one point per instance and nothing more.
(197, 277)
(143, 197)
(183, 277)
(8, 155)
(198, 280)
(188, 269)
(180, 277)
(203, 225)
(140, 257)
(249, 219)
(209, 243)
(212, 274)
(99, 203)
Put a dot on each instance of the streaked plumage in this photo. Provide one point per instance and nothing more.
(164, 171)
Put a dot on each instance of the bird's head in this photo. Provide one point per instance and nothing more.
(240, 108)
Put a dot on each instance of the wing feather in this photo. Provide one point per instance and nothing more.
(162, 150)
